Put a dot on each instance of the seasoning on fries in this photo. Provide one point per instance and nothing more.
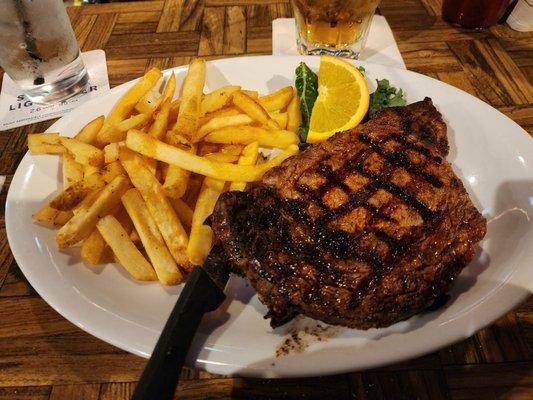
(140, 183)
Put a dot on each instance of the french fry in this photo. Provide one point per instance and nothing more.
(222, 122)
(159, 127)
(46, 215)
(294, 114)
(88, 132)
(150, 147)
(248, 157)
(71, 196)
(165, 267)
(254, 110)
(174, 111)
(222, 157)
(170, 88)
(186, 125)
(93, 248)
(277, 100)
(84, 153)
(280, 118)
(63, 217)
(249, 134)
(72, 170)
(179, 155)
(158, 205)
(81, 224)
(252, 93)
(217, 99)
(223, 112)
(125, 251)
(201, 238)
(233, 149)
(45, 143)
(84, 205)
(151, 164)
(111, 152)
(127, 102)
(149, 103)
(117, 132)
(89, 170)
(93, 179)
(191, 98)
(112, 170)
(183, 211)
(176, 179)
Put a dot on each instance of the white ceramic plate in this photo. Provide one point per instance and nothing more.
(492, 155)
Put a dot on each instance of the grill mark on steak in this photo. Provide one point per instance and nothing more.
(380, 183)
(399, 158)
(378, 229)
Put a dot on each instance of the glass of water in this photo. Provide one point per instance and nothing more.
(39, 50)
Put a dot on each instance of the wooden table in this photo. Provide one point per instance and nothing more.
(43, 356)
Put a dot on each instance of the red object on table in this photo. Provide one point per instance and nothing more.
(474, 14)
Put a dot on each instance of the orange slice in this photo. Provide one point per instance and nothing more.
(342, 101)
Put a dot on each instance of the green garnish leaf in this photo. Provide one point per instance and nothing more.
(361, 69)
(385, 96)
(307, 89)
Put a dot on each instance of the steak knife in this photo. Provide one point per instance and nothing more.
(203, 292)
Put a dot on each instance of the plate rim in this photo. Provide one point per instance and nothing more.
(246, 371)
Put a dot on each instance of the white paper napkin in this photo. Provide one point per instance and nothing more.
(16, 110)
(381, 48)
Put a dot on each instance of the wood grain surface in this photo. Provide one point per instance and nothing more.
(43, 356)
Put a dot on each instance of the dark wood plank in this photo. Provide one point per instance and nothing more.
(492, 381)
(138, 6)
(6, 258)
(116, 391)
(70, 392)
(429, 57)
(100, 32)
(416, 384)
(26, 316)
(83, 28)
(25, 393)
(334, 387)
(212, 34)
(235, 31)
(259, 40)
(148, 45)
(480, 72)
(121, 71)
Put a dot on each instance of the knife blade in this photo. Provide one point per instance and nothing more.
(203, 292)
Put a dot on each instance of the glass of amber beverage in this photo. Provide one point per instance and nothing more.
(337, 27)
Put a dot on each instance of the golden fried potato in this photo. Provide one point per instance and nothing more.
(125, 251)
(150, 147)
(45, 143)
(82, 224)
(165, 267)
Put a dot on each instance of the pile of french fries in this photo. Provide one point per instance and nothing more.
(140, 183)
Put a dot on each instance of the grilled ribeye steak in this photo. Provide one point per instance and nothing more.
(363, 230)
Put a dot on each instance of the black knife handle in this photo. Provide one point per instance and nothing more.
(160, 376)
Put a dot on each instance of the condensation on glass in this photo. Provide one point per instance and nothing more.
(39, 50)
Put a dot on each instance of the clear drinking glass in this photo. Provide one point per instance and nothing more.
(338, 27)
(39, 51)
